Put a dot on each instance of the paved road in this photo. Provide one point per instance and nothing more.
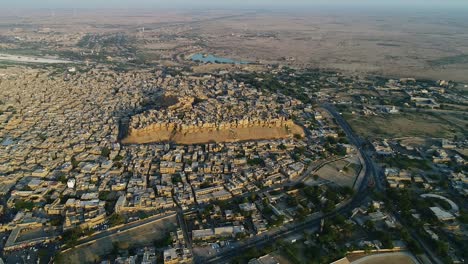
(422, 244)
(378, 175)
(371, 172)
(283, 232)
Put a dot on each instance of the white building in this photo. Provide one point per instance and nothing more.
(71, 183)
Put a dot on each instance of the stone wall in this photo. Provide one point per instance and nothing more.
(221, 132)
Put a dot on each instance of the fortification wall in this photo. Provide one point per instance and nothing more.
(208, 132)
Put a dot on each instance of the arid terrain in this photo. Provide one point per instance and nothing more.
(433, 44)
(193, 135)
(139, 235)
(231, 135)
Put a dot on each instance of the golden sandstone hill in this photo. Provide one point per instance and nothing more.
(207, 132)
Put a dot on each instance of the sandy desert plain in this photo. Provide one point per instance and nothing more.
(401, 43)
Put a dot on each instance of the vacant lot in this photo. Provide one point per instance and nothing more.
(342, 172)
(140, 236)
(401, 125)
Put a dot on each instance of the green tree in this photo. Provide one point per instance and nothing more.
(61, 177)
(116, 219)
(70, 237)
(256, 161)
(414, 247)
(105, 152)
(463, 217)
(74, 162)
(117, 158)
(165, 241)
(21, 205)
(369, 225)
(328, 206)
(298, 136)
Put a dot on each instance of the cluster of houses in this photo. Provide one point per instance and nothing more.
(61, 155)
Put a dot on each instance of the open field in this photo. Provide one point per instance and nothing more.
(390, 43)
(207, 68)
(402, 125)
(341, 172)
(387, 258)
(139, 236)
(15, 58)
(224, 135)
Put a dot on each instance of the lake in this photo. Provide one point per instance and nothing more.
(214, 59)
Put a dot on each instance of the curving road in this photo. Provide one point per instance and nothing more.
(372, 178)
(378, 175)
(371, 173)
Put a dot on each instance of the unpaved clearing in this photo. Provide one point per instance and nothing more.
(342, 172)
(387, 258)
(140, 236)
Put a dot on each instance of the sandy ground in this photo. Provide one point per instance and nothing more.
(16, 58)
(384, 42)
(232, 135)
(335, 172)
(408, 125)
(140, 236)
(206, 68)
(388, 258)
(397, 43)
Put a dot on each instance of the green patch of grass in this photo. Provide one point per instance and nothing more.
(19, 205)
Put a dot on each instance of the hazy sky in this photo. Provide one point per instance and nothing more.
(223, 3)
